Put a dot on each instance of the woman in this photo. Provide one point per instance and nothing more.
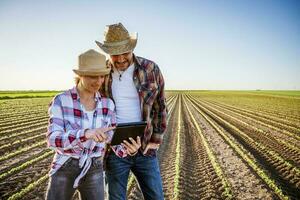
(80, 125)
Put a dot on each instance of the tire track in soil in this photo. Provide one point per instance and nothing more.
(198, 179)
(166, 158)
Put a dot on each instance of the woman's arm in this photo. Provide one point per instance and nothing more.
(57, 136)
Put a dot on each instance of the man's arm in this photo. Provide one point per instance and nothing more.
(159, 110)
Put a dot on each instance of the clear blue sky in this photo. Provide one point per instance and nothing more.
(224, 44)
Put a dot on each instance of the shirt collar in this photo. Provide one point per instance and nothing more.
(136, 60)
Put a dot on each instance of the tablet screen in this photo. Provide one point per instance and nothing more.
(124, 131)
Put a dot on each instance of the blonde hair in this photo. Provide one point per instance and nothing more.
(77, 80)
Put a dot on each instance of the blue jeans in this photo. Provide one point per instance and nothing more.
(146, 170)
(90, 186)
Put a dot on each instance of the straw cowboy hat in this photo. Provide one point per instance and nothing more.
(91, 63)
(117, 40)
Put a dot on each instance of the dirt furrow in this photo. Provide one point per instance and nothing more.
(22, 158)
(279, 146)
(166, 157)
(245, 184)
(274, 121)
(268, 127)
(286, 179)
(20, 180)
(198, 180)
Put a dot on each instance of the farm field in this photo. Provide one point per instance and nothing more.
(26, 94)
(218, 145)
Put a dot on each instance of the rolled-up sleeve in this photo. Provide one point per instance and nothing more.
(112, 118)
(57, 137)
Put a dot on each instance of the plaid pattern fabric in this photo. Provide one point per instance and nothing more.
(66, 127)
(149, 82)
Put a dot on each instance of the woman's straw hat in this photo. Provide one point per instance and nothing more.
(117, 40)
(91, 63)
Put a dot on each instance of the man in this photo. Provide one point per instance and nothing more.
(137, 87)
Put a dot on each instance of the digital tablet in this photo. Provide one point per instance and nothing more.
(124, 131)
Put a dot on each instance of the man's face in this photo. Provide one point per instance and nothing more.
(92, 83)
(122, 61)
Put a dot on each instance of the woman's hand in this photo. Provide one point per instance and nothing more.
(132, 147)
(98, 134)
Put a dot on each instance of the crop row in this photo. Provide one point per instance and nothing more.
(24, 123)
(275, 123)
(283, 108)
(272, 141)
(267, 163)
(227, 194)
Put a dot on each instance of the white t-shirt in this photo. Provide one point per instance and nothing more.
(88, 123)
(126, 96)
(90, 115)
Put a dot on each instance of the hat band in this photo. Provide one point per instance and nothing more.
(114, 44)
(91, 69)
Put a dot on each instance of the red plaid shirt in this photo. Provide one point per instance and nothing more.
(66, 127)
(150, 84)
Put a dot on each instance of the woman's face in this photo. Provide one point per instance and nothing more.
(92, 83)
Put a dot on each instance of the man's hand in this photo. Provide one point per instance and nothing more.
(98, 134)
(133, 147)
(150, 145)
